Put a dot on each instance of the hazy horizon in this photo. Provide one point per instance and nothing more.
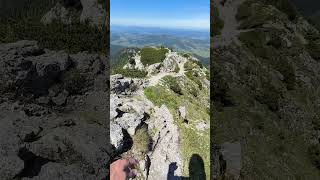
(178, 14)
(160, 27)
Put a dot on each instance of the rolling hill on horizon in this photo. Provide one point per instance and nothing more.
(196, 42)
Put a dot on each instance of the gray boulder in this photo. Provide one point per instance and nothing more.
(116, 136)
(58, 12)
(27, 69)
(121, 85)
(43, 122)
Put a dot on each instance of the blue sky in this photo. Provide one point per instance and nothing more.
(186, 14)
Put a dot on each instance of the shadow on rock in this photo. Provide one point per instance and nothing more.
(196, 169)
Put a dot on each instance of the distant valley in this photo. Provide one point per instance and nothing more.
(191, 41)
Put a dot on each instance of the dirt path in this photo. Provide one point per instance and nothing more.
(155, 79)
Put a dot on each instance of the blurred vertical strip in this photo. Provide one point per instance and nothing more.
(106, 51)
(211, 93)
(106, 29)
(214, 150)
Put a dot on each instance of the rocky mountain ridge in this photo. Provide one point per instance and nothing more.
(152, 131)
(54, 93)
(53, 109)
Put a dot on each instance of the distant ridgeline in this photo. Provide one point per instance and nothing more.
(117, 53)
(120, 57)
(196, 42)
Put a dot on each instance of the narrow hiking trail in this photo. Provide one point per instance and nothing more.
(155, 79)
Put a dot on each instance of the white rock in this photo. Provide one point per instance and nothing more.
(182, 112)
(202, 126)
(167, 149)
(116, 135)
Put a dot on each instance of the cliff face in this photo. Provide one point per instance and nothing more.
(265, 92)
(160, 112)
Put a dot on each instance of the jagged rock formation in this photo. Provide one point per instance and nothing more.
(133, 109)
(68, 10)
(53, 108)
(265, 93)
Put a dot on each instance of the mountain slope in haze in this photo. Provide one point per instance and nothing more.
(265, 92)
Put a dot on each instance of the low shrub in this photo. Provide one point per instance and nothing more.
(194, 91)
(191, 64)
(186, 55)
(192, 75)
(208, 75)
(188, 66)
(132, 73)
(141, 140)
(173, 84)
(159, 96)
(151, 55)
